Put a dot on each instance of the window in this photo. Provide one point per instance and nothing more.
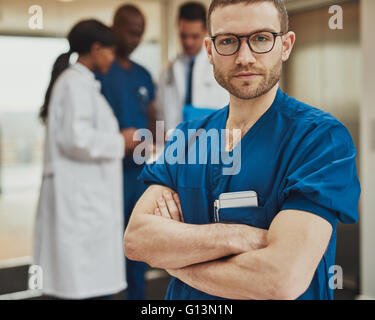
(25, 64)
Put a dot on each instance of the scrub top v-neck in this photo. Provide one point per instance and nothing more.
(294, 157)
(219, 182)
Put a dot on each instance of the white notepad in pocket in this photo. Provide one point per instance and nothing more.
(241, 199)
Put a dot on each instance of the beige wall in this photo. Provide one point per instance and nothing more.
(324, 70)
(328, 62)
(59, 16)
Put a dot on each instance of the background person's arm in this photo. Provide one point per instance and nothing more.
(130, 142)
(170, 243)
(284, 269)
(152, 117)
(129, 134)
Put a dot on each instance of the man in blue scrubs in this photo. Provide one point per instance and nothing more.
(130, 91)
(298, 159)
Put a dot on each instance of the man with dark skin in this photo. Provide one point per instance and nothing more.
(129, 29)
(130, 91)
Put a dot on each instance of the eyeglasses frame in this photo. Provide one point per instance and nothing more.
(275, 35)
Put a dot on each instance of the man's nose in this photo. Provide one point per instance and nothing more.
(189, 42)
(244, 55)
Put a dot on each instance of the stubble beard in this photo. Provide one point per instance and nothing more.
(246, 90)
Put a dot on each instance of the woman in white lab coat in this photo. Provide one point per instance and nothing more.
(79, 224)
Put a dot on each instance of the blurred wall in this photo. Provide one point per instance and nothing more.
(325, 71)
(328, 61)
(59, 16)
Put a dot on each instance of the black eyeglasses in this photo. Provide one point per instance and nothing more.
(259, 42)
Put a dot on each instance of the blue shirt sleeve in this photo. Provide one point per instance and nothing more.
(151, 87)
(162, 171)
(157, 173)
(322, 178)
(113, 98)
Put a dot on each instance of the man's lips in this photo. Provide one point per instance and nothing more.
(246, 75)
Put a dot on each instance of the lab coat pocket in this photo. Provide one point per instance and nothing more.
(94, 203)
(252, 216)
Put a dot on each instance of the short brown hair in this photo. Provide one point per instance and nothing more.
(279, 4)
(193, 11)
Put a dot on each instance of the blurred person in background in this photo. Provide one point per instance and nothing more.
(79, 223)
(130, 91)
(188, 88)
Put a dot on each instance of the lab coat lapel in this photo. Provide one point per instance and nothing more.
(179, 76)
(201, 76)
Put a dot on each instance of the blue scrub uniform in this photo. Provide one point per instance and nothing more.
(189, 112)
(294, 157)
(129, 92)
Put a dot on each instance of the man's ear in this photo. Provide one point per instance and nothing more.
(95, 47)
(208, 45)
(288, 42)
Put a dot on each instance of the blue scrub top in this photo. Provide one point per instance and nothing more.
(295, 157)
(129, 93)
(190, 112)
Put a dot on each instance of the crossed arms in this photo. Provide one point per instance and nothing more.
(228, 260)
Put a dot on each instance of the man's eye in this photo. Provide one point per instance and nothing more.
(227, 41)
(261, 38)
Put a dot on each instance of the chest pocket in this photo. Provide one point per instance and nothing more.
(194, 204)
(143, 99)
(252, 216)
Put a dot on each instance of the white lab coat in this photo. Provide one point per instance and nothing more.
(79, 225)
(206, 92)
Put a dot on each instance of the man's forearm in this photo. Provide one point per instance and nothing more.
(165, 243)
(248, 276)
(284, 269)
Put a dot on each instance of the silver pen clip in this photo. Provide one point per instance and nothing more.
(216, 211)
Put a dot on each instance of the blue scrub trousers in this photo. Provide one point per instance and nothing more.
(135, 271)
